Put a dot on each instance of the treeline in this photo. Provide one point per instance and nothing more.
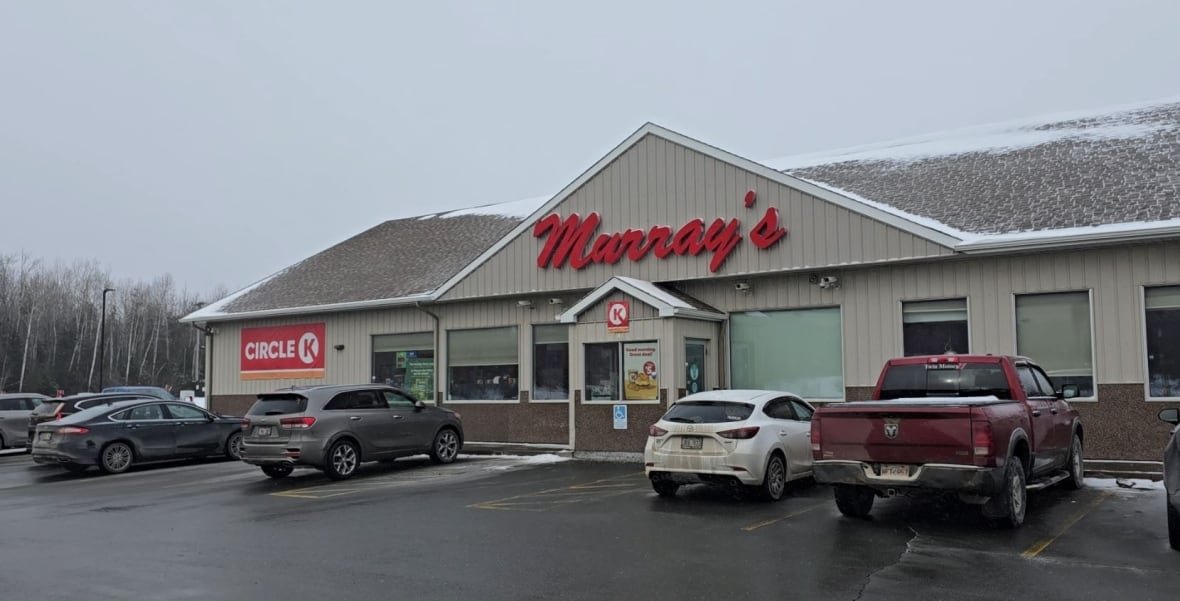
(50, 318)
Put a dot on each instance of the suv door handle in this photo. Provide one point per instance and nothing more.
(1037, 413)
(355, 418)
(1053, 411)
(396, 416)
(134, 426)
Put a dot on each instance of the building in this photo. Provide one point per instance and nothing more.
(672, 266)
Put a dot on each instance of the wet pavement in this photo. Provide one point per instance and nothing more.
(504, 528)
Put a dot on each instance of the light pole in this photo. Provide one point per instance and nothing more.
(102, 338)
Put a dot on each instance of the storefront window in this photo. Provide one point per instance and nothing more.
(934, 327)
(1054, 331)
(627, 371)
(405, 361)
(483, 364)
(1163, 341)
(798, 351)
(551, 362)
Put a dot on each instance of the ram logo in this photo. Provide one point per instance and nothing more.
(891, 430)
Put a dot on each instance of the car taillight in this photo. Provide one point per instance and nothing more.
(982, 442)
(296, 423)
(245, 423)
(817, 447)
(739, 433)
(656, 431)
(72, 430)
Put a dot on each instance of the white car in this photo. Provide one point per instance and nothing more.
(758, 438)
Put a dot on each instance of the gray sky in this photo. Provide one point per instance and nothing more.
(222, 141)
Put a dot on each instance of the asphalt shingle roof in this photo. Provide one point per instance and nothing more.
(1081, 170)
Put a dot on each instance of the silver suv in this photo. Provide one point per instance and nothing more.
(336, 428)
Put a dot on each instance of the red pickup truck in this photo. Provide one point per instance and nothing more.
(987, 428)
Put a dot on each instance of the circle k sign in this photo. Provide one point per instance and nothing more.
(283, 352)
(618, 316)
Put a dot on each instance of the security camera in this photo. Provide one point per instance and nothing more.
(555, 301)
(829, 281)
(741, 286)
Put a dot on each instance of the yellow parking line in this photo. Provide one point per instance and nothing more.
(1043, 544)
(754, 527)
(561, 495)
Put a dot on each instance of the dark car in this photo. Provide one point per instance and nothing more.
(1172, 476)
(54, 409)
(147, 391)
(336, 428)
(116, 436)
(15, 409)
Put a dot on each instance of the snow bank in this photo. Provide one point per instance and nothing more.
(1124, 484)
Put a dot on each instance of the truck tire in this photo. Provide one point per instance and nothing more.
(1173, 526)
(854, 501)
(1007, 509)
(1076, 467)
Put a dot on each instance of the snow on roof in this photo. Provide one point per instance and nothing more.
(517, 209)
(918, 219)
(655, 291)
(218, 308)
(1116, 123)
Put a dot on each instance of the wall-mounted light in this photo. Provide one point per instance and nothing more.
(524, 304)
(339, 347)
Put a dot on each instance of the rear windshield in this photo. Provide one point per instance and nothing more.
(708, 412)
(945, 379)
(46, 408)
(279, 404)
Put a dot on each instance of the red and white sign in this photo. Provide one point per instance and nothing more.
(283, 352)
(618, 316)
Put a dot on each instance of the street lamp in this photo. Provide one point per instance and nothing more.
(102, 337)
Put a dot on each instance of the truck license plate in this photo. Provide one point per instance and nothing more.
(895, 471)
(692, 442)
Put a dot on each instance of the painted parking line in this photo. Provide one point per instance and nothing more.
(550, 498)
(1044, 543)
(403, 477)
(797, 512)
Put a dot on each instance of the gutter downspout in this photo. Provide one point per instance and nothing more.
(208, 332)
(437, 334)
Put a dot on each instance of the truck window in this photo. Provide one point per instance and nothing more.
(1028, 381)
(1044, 381)
(945, 379)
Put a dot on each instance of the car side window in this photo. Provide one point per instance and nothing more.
(11, 404)
(1044, 382)
(32, 403)
(145, 412)
(369, 399)
(182, 412)
(342, 401)
(397, 400)
(802, 410)
(1028, 382)
(779, 409)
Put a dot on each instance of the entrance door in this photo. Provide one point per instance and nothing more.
(694, 365)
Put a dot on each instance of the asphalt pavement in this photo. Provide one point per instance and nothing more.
(518, 529)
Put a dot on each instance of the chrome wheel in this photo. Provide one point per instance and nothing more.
(447, 446)
(1016, 492)
(1076, 463)
(776, 478)
(233, 448)
(116, 458)
(344, 459)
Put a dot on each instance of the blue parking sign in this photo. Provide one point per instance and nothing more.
(620, 415)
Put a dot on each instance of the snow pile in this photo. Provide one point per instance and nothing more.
(1124, 484)
(520, 460)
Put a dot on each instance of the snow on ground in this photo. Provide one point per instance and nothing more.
(1123, 484)
(519, 460)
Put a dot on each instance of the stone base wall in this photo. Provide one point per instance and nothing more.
(1122, 424)
(539, 423)
(595, 427)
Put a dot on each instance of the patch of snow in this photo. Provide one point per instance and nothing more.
(519, 460)
(1123, 484)
(1110, 228)
(517, 209)
(218, 308)
(654, 290)
(926, 222)
(1108, 124)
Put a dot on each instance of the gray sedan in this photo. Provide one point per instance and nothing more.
(114, 437)
(14, 416)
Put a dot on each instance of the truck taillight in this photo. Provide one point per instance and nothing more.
(296, 423)
(982, 442)
(740, 433)
(817, 447)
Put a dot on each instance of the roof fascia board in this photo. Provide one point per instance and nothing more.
(571, 315)
(1050, 241)
(290, 311)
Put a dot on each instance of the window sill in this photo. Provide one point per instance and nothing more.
(488, 402)
(548, 401)
(1162, 399)
(601, 402)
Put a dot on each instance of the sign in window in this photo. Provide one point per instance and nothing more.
(1054, 331)
(797, 351)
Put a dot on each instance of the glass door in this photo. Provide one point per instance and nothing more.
(694, 365)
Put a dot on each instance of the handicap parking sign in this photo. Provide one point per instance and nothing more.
(620, 415)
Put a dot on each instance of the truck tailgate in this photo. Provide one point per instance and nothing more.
(897, 432)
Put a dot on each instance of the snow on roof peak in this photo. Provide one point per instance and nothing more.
(517, 209)
(1116, 123)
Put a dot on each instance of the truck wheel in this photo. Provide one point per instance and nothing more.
(854, 501)
(1077, 468)
(1173, 526)
(1007, 508)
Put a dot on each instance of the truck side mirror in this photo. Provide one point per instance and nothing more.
(1069, 391)
(1172, 416)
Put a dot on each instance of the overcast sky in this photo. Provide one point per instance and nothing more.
(222, 141)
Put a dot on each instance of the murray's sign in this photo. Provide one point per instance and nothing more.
(576, 240)
(283, 352)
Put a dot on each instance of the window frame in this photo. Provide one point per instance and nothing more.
(727, 340)
(446, 391)
(385, 393)
(901, 318)
(568, 360)
(434, 343)
(1093, 335)
(618, 344)
(1143, 344)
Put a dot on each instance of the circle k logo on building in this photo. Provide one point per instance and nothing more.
(283, 352)
(618, 316)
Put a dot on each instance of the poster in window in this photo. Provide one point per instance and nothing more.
(641, 380)
(420, 378)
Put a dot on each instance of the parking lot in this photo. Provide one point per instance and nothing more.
(515, 528)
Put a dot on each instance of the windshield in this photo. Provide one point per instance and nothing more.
(279, 404)
(945, 379)
(708, 412)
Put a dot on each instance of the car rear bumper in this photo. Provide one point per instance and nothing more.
(743, 467)
(50, 456)
(289, 453)
(970, 479)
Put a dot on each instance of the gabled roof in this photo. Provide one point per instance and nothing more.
(1085, 174)
(667, 301)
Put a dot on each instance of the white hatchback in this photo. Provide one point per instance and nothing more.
(757, 438)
